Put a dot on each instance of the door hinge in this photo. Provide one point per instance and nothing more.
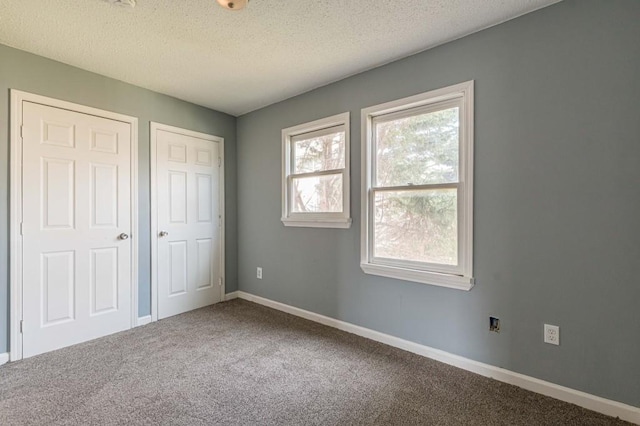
(21, 326)
(21, 131)
(219, 221)
(219, 161)
(220, 281)
(21, 228)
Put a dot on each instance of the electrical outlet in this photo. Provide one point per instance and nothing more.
(259, 273)
(494, 324)
(552, 334)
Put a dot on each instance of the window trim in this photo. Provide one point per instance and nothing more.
(316, 220)
(462, 278)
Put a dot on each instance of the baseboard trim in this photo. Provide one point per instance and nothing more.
(231, 296)
(143, 320)
(582, 399)
(4, 358)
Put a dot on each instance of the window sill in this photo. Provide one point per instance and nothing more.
(424, 277)
(318, 223)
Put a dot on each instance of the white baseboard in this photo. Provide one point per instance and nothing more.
(143, 320)
(4, 358)
(583, 399)
(231, 296)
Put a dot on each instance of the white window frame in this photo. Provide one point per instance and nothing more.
(461, 275)
(315, 220)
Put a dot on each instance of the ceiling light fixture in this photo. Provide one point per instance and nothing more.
(233, 4)
(130, 3)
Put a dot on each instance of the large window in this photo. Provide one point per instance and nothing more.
(417, 197)
(315, 173)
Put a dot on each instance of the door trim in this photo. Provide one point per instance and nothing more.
(154, 127)
(15, 209)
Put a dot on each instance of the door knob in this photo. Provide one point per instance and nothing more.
(123, 236)
(163, 234)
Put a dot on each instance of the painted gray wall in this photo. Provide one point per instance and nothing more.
(557, 201)
(35, 74)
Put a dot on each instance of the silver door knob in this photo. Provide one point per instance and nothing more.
(163, 234)
(123, 236)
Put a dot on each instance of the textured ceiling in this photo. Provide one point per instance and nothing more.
(239, 61)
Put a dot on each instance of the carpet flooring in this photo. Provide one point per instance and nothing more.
(238, 363)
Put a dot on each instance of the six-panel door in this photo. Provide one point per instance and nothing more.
(188, 217)
(76, 226)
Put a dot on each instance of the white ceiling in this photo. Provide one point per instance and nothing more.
(239, 61)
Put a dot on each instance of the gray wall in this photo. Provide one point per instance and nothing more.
(35, 74)
(557, 201)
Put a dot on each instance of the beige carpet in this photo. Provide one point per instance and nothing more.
(238, 363)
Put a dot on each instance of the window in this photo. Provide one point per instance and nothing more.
(417, 188)
(315, 173)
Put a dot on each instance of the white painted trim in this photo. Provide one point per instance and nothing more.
(135, 228)
(4, 358)
(583, 399)
(230, 296)
(462, 277)
(15, 218)
(143, 320)
(223, 222)
(15, 188)
(153, 141)
(317, 220)
(153, 155)
(315, 223)
(425, 277)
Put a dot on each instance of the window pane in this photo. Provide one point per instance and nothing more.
(419, 225)
(317, 194)
(422, 149)
(319, 153)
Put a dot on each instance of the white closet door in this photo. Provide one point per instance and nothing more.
(76, 226)
(188, 217)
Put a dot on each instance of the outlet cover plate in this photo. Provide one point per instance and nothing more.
(552, 334)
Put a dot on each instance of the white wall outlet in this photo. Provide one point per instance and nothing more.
(259, 273)
(552, 334)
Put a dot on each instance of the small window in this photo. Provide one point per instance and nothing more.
(315, 173)
(417, 200)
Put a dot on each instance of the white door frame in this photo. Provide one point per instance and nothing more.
(154, 127)
(15, 218)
